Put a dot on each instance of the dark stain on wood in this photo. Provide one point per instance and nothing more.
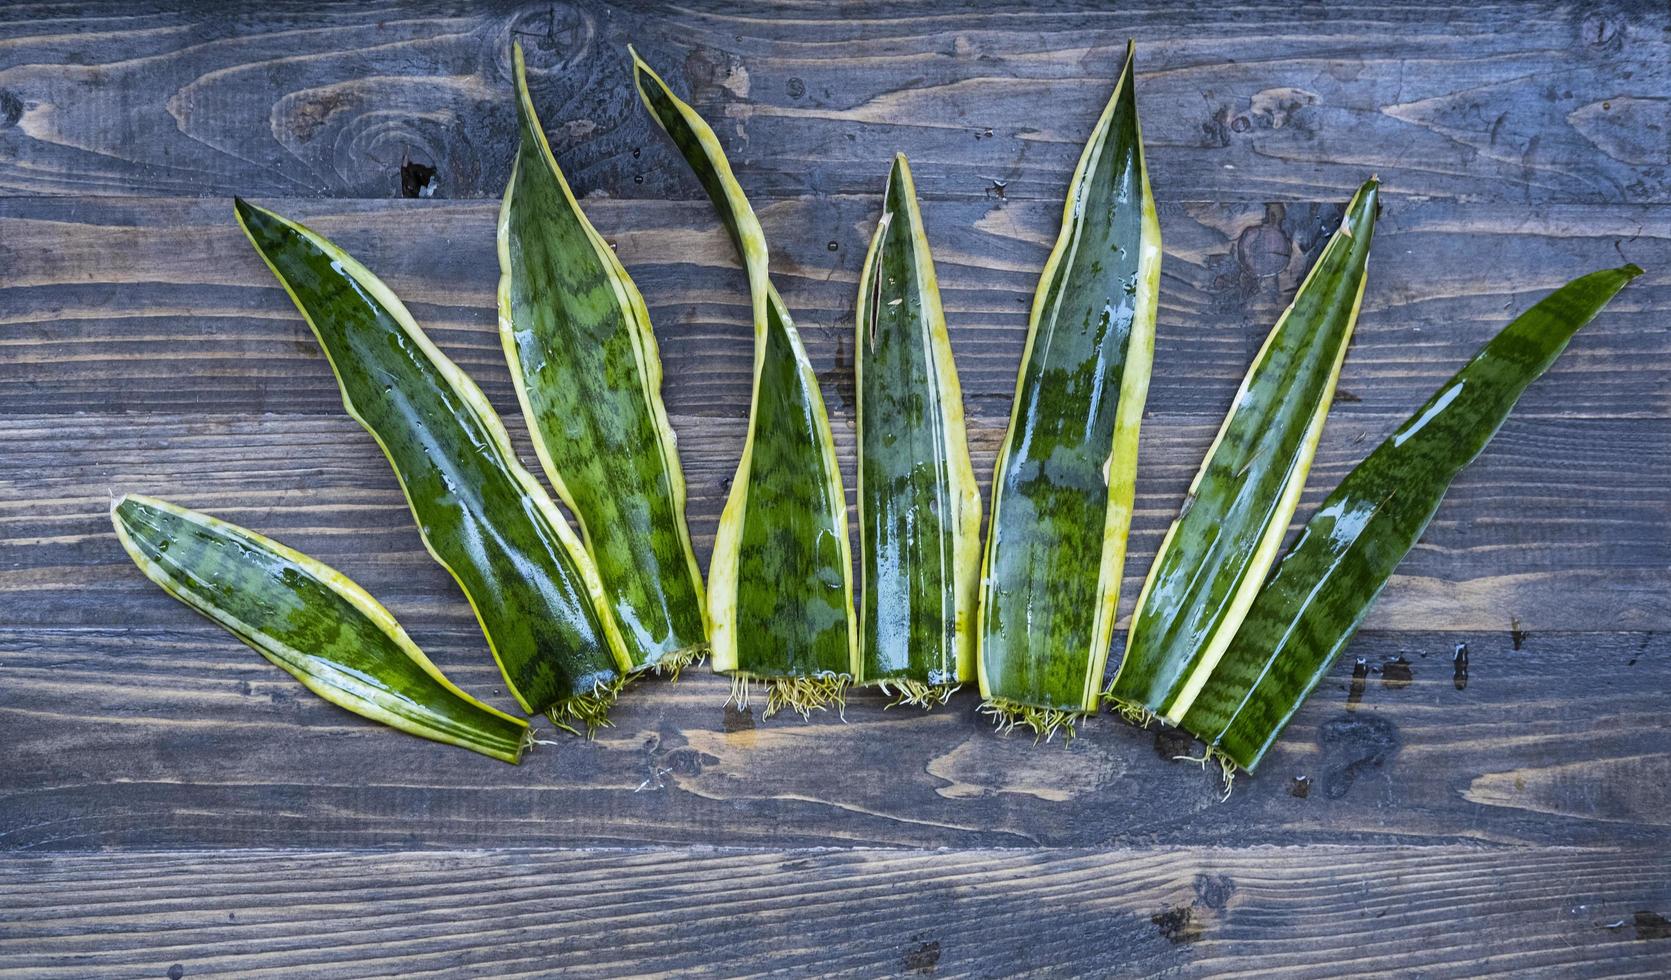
(1652, 925)
(1352, 745)
(922, 957)
(1178, 925)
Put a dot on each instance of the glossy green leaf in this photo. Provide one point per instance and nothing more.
(310, 620)
(780, 583)
(1325, 584)
(919, 507)
(482, 516)
(1215, 555)
(1062, 492)
(587, 372)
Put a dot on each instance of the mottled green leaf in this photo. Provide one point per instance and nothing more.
(780, 583)
(919, 507)
(483, 517)
(1217, 552)
(310, 620)
(1062, 491)
(1325, 584)
(587, 372)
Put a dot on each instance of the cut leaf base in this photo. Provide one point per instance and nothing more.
(913, 692)
(591, 710)
(801, 694)
(1009, 715)
(671, 665)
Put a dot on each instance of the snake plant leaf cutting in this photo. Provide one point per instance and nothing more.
(919, 506)
(780, 582)
(1062, 491)
(1325, 584)
(1215, 555)
(310, 620)
(577, 334)
(486, 519)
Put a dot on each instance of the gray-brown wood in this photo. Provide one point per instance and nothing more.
(165, 737)
(1417, 819)
(1528, 103)
(1128, 911)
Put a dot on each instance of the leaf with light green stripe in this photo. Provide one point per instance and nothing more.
(588, 375)
(309, 619)
(780, 583)
(486, 519)
(1215, 556)
(1062, 491)
(919, 507)
(1325, 584)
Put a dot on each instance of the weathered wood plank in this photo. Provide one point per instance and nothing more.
(161, 305)
(1527, 103)
(1289, 912)
(179, 737)
(1563, 524)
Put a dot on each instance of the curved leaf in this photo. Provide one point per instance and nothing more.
(1325, 584)
(482, 516)
(309, 619)
(780, 583)
(577, 335)
(1062, 491)
(919, 507)
(1215, 556)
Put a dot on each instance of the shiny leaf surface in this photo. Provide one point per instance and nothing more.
(1325, 584)
(780, 589)
(310, 620)
(482, 516)
(919, 507)
(578, 338)
(1215, 556)
(1062, 491)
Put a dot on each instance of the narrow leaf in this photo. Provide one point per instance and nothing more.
(1325, 584)
(1062, 491)
(919, 507)
(577, 334)
(780, 583)
(1215, 556)
(309, 619)
(482, 516)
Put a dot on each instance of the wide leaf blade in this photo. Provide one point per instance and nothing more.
(577, 334)
(1325, 584)
(1215, 555)
(919, 506)
(1063, 486)
(482, 516)
(309, 619)
(780, 584)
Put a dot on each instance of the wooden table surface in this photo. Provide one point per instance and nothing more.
(171, 805)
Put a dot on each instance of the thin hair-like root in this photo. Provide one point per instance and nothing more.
(591, 709)
(1008, 715)
(673, 664)
(802, 694)
(915, 693)
(1131, 711)
(1226, 765)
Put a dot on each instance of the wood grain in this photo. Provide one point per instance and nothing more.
(1530, 103)
(107, 300)
(1512, 825)
(1579, 546)
(1185, 912)
(179, 737)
